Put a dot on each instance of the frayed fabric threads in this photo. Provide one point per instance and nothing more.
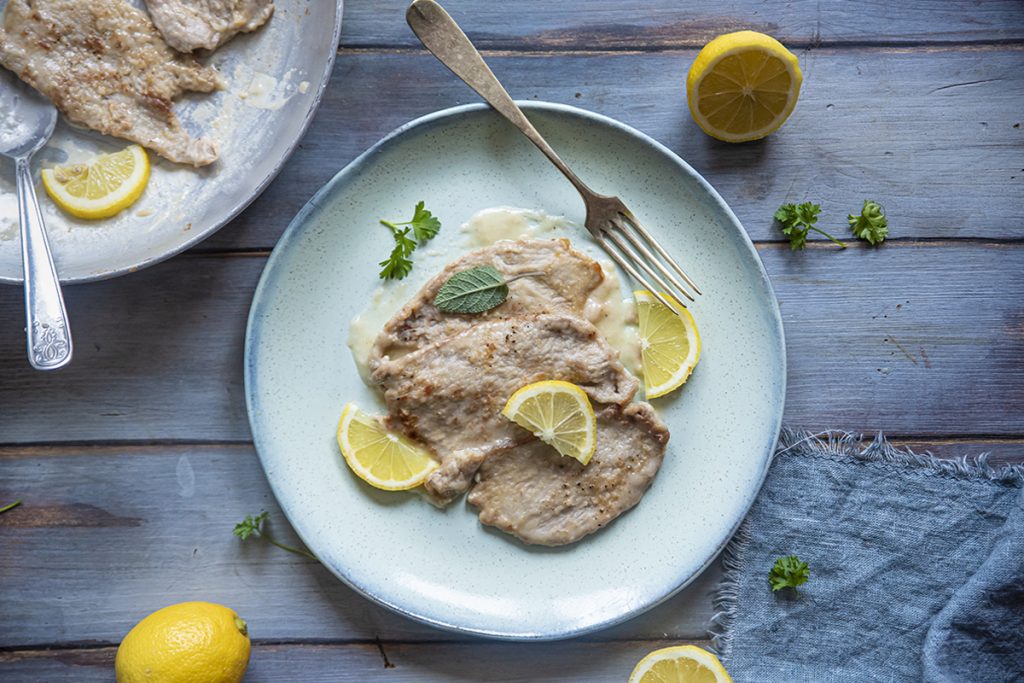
(891, 537)
(880, 450)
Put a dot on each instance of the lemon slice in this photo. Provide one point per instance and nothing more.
(102, 188)
(743, 86)
(680, 664)
(669, 343)
(559, 414)
(380, 458)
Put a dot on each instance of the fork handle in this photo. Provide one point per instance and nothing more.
(46, 320)
(443, 37)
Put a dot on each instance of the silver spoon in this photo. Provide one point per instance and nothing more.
(26, 123)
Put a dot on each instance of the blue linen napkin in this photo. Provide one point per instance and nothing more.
(916, 569)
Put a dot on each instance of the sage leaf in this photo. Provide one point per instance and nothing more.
(472, 291)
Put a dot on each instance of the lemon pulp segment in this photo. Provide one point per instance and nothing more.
(669, 343)
(381, 458)
(743, 86)
(101, 188)
(680, 664)
(559, 414)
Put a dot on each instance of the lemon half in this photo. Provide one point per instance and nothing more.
(669, 343)
(743, 86)
(680, 664)
(381, 458)
(559, 414)
(102, 188)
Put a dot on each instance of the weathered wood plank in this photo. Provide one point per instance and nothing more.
(917, 339)
(158, 355)
(1000, 451)
(930, 134)
(367, 662)
(654, 24)
(106, 535)
(136, 548)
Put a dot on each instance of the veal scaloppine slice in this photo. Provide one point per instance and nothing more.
(189, 25)
(563, 281)
(105, 66)
(449, 395)
(544, 498)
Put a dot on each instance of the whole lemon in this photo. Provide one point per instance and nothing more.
(191, 642)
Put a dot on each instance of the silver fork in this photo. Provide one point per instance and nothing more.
(609, 220)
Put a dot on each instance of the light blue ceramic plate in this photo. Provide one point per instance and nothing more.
(443, 567)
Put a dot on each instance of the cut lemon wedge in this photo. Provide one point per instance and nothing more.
(380, 458)
(104, 187)
(680, 664)
(743, 86)
(559, 414)
(669, 343)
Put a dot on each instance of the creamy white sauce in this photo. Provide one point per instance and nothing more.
(362, 331)
(506, 223)
(610, 308)
(264, 91)
(260, 85)
(613, 312)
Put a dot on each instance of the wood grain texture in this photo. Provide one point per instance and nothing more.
(660, 24)
(149, 526)
(369, 662)
(917, 339)
(930, 134)
(916, 104)
(107, 535)
(999, 451)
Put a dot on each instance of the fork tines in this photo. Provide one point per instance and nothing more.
(629, 238)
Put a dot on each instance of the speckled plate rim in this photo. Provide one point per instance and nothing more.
(230, 215)
(295, 230)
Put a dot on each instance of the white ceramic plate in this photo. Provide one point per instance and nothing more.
(275, 78)
(444, 567)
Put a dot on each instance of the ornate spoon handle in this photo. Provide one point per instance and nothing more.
(49, 337)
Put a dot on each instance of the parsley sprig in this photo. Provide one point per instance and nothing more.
(797, 220)
(252, 526)
(788, 572)
(10, 506)
(871, 224)
(423, 226)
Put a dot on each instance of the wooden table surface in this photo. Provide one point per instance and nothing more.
(135, 462)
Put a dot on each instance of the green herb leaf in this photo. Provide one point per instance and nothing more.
(424, 227)
(252, 525)
(871, 224)
(395, 267)
(788, 572)
(472, 291)
(398, 264)
(423, 223)
(796, 220)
